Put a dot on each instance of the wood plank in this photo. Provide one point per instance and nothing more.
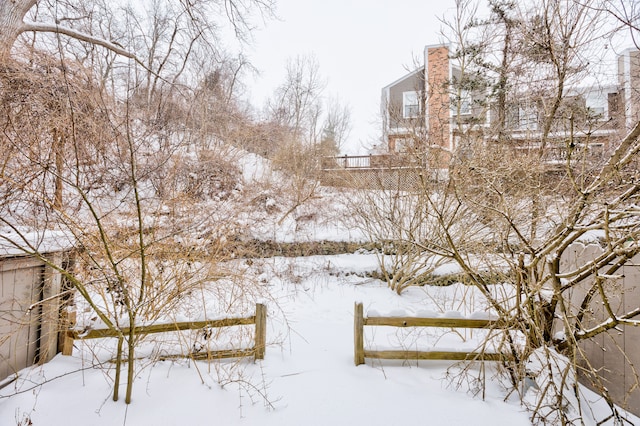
(19, 262)
(434, 322)
(358, 335)
(261, 331)
(210, 355)
(50, 318)
(436, 355)
(65, 343)
(163, 328)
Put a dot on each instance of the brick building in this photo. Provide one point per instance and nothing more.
(425, 109)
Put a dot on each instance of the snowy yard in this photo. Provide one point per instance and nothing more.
(307, 377)
(147, 182)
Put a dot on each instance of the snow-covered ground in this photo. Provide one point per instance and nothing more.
(308, 376)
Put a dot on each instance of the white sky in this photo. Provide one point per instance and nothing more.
(360, 45)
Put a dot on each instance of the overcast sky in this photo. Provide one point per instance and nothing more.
(360, 45)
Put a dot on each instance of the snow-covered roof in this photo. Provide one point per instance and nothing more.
(24, 243)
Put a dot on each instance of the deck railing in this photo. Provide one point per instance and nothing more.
(371, 161)
(347, 162)
(552, 155)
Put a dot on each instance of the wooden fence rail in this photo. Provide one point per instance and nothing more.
(360, 353)
(257, 351)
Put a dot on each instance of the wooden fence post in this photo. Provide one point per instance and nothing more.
(67, 343)
(261, 330)
(358, 334)
(67, 320)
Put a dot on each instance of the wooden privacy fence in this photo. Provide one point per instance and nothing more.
(257, 351)
(360, 353)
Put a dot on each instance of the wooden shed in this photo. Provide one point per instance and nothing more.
(31, 301)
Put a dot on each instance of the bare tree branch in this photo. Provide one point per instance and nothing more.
(78, 35)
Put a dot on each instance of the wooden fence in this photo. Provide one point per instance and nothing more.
(257, 351)
(615, 354)
(360, 353)
(369, 178)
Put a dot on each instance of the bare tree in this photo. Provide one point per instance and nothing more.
(534, 211)
(335, 129)
(400, 221)
(297, 102)
(13, 18)
(89, 129)
(310, 129)
(627, 14)
(523, 186)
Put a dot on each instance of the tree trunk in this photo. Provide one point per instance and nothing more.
(58, 150)
(12, 13)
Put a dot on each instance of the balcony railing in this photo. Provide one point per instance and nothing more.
(552, 155)
(347, 162)
(369, 161)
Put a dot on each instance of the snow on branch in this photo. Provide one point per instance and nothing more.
(626, 319)
(53, 28)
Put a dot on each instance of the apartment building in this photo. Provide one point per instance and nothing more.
(427, 109)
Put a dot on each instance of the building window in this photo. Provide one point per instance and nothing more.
(464, 103)
(527, 118)
(596, 102)
(410, 105)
